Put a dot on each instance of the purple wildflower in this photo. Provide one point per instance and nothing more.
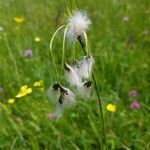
(28, 53)
(133, 93)
(51, 116)
(145, 32)
(135, 105)
(125, 18)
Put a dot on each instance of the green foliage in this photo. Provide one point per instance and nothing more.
(121, 51)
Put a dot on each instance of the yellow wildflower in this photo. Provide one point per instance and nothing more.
(19, 19)
(11, 101)
(24, 90)
(111, 107)
(38, 83)
(37, 39)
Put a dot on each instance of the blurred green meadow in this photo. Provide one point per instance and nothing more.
(119, 39)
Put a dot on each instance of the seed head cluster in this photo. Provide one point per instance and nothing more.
(78, 73)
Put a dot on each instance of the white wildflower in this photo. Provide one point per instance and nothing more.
(85, 67)
(72, 76)
(78, 23)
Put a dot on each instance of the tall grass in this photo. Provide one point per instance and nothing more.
(121, 51)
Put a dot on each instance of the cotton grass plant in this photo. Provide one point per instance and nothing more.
(79, 74)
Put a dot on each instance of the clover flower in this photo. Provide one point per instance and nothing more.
(24, 90)
(51, 116)
(78, 23)
(111, 107)
(125, 18)
(133, 93)
(28, 53)
(135, 105)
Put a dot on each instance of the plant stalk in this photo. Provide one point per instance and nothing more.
(51, 53)
(13, 59)
(101, 112)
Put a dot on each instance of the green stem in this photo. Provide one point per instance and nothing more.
(73, 51)
(13, 59)
(63, 51)
(51, 53)
(86, 44)
(101, 111)
(87, 52)
(72, 4)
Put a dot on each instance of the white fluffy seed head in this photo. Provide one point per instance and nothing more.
(72, 76)
(54, 93)
(67, 98)
(85, 67)
(78, 23)
(59, 110)
(85, 90)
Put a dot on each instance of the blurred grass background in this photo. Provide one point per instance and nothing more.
(122, 52)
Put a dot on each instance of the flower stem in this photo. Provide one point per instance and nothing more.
(86, 44)
(101, 112)
(13, 59)
(73, 51)
(51, 53)
(63, 51)
(72, 4)
(87, 52)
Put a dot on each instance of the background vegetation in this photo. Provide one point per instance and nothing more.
(120, 42)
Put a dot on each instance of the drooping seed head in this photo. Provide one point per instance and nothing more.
(72, 76)
(78, 23)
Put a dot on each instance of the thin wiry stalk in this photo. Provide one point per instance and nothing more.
(86, 44)
(86, 51)
(13, 59)
(51, 53)
(63, 50)
(72, 4)
(101, 111)
(73, 51)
